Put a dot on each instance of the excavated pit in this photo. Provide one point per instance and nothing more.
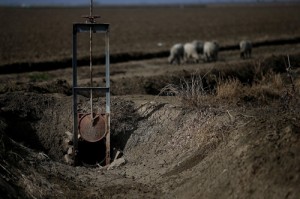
(40, 122)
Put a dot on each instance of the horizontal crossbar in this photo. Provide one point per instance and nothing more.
(86, 27)
(92, 88)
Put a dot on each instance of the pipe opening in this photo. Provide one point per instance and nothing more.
(91, 153)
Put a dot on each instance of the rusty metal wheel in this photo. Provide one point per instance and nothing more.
(92, 129)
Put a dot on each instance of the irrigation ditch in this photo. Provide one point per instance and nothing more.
(121, 57)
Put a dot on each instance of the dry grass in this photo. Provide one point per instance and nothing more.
(266, 89)
(190, 92)
(229, 89)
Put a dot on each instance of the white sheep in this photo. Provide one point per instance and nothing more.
(193, 51)
(210, 51)
(245, 49)
(176, 53)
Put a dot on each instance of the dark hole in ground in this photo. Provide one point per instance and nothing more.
(94, 153)
(91, 153)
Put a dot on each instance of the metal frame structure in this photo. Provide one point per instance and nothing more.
(91, 28)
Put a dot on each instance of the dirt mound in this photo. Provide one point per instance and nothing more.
(258, 159)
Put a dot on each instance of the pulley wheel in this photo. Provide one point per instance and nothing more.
(92, 129)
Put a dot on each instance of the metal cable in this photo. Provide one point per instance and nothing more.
(91, 62)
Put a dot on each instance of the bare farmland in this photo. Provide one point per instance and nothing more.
(237, 138)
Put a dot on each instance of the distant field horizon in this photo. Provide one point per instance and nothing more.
(67, 3)
(45, 34)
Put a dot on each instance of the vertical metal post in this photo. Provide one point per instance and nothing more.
(91, 61)
(107, 80)
(75, 114)
(91, 8)
(91, 73)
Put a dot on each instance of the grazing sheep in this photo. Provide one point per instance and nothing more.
(210, 51)
(245, 49)
(199, 46)
(176, 53)
(190, 53)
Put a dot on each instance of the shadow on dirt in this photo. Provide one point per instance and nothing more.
(22, 130)
(124, 121)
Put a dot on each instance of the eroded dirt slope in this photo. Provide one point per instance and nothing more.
(172, 151)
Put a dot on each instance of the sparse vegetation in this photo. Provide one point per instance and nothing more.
(190, 92)
(265, 89)
(269, 88)
(38, 77)
(229, 89)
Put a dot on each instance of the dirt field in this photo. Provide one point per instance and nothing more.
(237, 138)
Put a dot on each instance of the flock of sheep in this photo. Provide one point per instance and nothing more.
(206, 51)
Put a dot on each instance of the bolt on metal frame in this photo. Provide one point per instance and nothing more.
(91, 27)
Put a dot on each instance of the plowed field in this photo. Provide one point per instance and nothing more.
(225, 129)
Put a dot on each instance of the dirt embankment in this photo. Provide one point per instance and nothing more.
(171, 151)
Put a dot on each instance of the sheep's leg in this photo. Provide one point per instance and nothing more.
(172, 60)
(216, 57)
(185, 58)
(178, 60)
(242, 55)
(206, 57)
(196, 58)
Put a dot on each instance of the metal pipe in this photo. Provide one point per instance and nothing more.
(74, 65)
(107, 81)
(91, 61)
(107, 72)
